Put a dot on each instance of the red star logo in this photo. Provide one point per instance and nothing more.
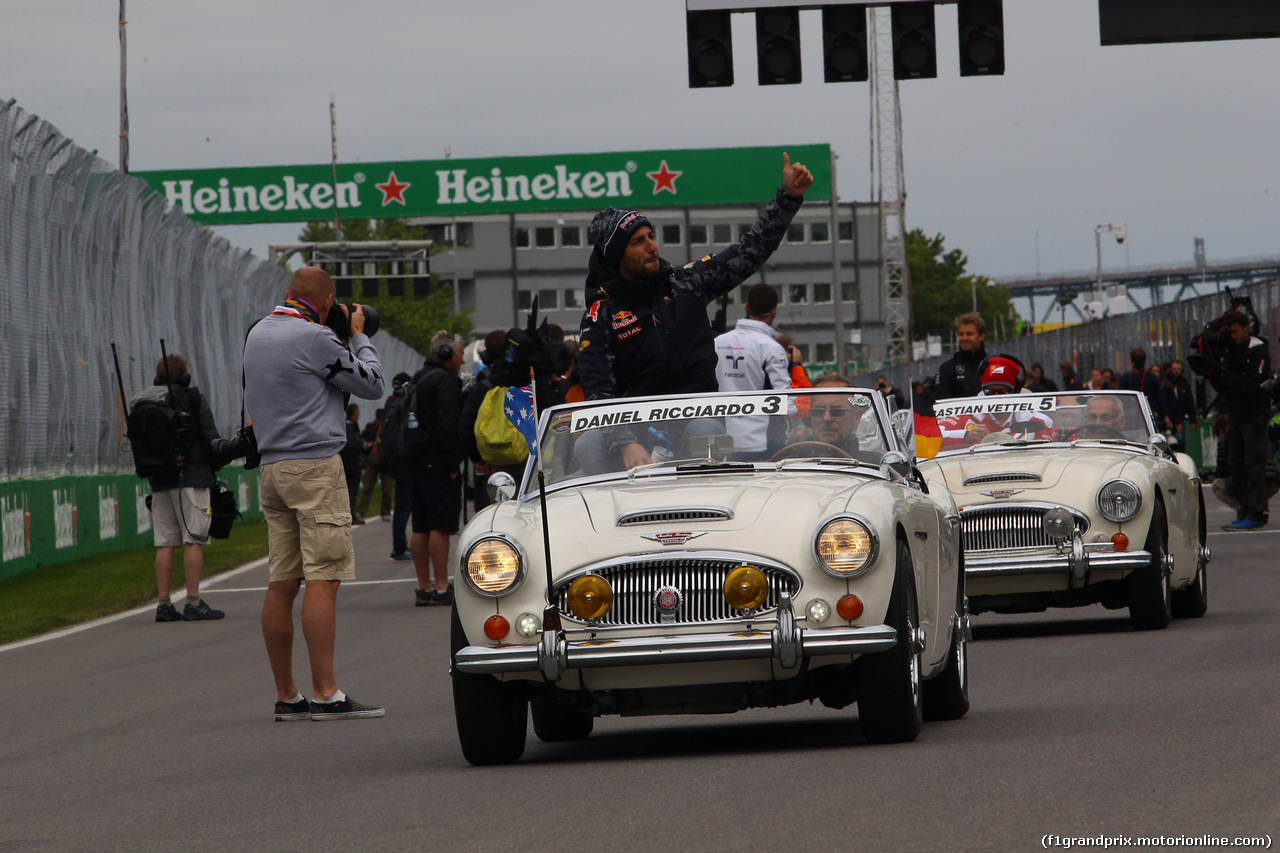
(393, 190)
(664, 179)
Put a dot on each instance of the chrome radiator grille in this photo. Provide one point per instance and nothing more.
(1009, 527)
(701, 585)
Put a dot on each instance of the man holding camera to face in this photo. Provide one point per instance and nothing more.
(296, 372)
(1237, 365)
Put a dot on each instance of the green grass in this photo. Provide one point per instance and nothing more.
(53, 597)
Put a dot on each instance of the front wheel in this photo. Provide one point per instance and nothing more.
(889, 699)
(492, 716)
(1150, 596)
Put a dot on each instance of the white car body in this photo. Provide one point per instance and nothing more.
(668, 534)
(1006, 483)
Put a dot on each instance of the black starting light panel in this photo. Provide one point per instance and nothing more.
(844, 43)
(710, 48)
(915, 52)
(1156, 21)
(981, 37)
(778, 45)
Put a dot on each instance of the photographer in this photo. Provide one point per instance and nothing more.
(296, 372)
(1237, 364)
(180, 501)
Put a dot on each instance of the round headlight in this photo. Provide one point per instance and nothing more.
(493, 567)
(845, 547)
(590, 597)
(746, 588)
(1119, 500)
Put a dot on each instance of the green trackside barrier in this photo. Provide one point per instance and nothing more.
(53, 521)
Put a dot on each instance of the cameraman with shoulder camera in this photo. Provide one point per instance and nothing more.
(1237, 367)
(296, 372)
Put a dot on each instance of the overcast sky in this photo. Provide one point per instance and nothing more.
(1171, 141)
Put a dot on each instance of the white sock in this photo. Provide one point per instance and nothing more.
(337, 697)
(296, 699)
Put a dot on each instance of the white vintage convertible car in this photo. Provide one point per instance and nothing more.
(1071, 499)
(762, 549)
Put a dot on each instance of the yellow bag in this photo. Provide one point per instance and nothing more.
(497, 438)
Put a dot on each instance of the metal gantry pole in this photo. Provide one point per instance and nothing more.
(124, 100)
(837, 289)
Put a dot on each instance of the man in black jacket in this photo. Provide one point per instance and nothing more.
(1238, 378)
(646, 330)
(180, 504)
(435, 484)
(959, 376)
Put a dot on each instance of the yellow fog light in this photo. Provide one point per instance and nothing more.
(493, 566)
(746, 588)
(590, 597)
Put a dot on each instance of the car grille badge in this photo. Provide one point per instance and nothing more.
(1003, 493)
(673, 538)
(667, 600)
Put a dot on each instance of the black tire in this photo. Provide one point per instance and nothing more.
(946, 695)
(889, 697)
(492, 715)
(1150, 597)
(555, 723)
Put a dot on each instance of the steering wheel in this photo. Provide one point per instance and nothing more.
(809, 448)
(1076, 432)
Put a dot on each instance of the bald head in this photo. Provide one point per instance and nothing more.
(312, 284)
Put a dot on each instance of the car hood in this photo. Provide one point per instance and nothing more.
(1028, 472)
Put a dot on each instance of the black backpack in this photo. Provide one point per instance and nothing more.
(403, 436)
(162, 433)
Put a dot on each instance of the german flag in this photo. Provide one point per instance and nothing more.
(928, 436)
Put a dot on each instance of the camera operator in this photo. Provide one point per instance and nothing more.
(296, 371)
(1242, 365)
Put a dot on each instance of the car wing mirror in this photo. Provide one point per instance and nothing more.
(895, 463)
(501, 486)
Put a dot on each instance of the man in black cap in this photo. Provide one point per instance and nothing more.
(646, 330)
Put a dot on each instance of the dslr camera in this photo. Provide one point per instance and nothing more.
(339, 320)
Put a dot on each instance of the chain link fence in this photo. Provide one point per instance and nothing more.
(91, 257)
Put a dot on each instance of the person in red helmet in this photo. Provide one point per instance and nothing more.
(1001, 375)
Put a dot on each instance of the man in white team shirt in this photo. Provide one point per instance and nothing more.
(749, 358)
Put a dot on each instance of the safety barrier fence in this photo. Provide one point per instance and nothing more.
(91, 257)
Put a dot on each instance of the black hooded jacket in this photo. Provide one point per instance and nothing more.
(654, 337)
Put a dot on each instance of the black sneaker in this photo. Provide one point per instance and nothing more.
(401, 556)
(443, 598)
(166, 612)
(286, 711)
(347, 709)
(424, 597)
(200, 612)
(357, 518)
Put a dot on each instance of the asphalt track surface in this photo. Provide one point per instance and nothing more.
(132, 735)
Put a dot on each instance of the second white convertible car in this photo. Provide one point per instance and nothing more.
(1072, 499)
(707, 554)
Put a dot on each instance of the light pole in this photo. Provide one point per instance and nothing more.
(1097, 233)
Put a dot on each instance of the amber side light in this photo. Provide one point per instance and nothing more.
(849, 607)
(1119, 541)
(496, 627)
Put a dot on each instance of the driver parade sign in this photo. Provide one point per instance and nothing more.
(477, 186)
(653, 412)
(999, 405)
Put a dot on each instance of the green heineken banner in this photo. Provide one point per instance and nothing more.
(641, 179)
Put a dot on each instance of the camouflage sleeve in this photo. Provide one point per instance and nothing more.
(715, 275)
(595, 358)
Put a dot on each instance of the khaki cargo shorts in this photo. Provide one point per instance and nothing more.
(308, 515)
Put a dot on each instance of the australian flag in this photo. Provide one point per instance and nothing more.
(519, 409)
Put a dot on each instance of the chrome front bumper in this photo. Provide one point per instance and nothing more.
(1077, 562)
(786, 643)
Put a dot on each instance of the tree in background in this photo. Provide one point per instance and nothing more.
(412, 319)
(940, 291)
